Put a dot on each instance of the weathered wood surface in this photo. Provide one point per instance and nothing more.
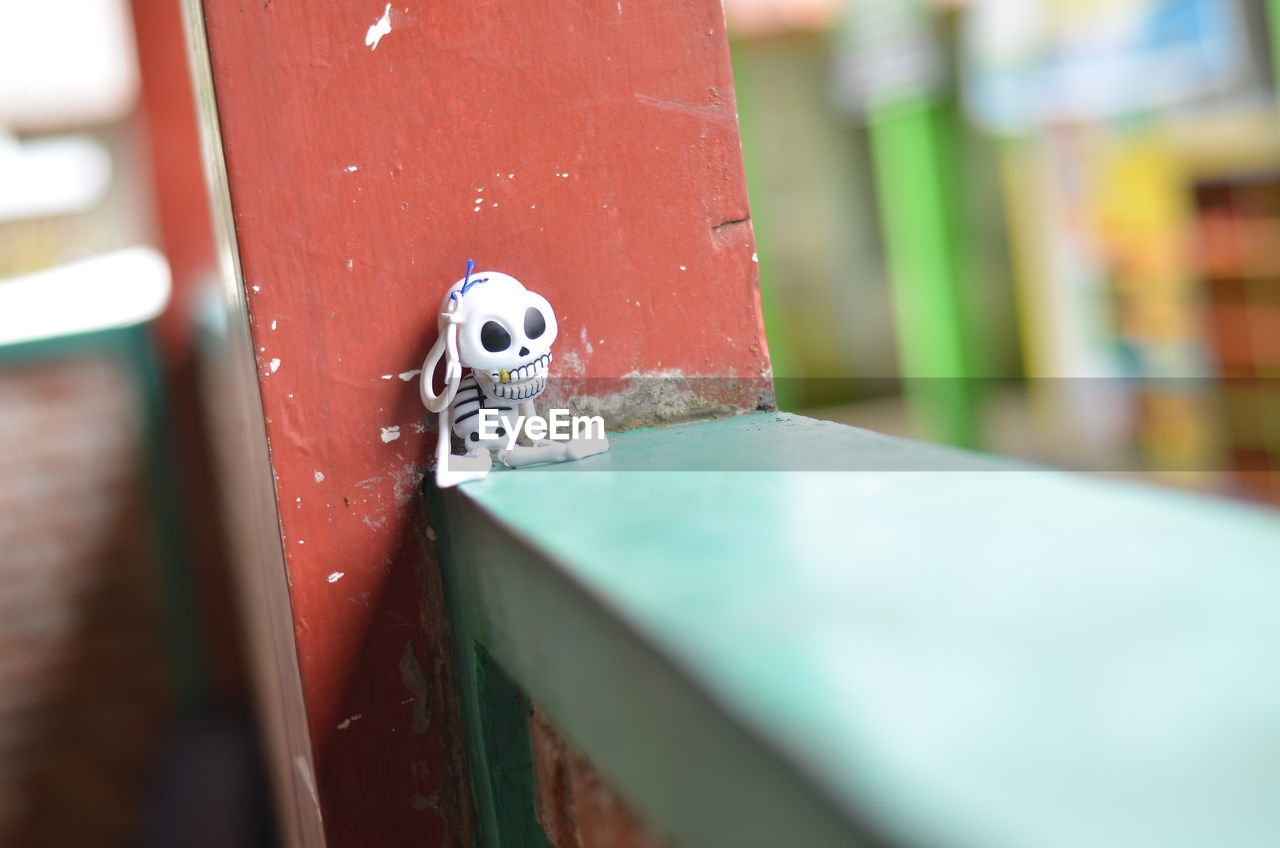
(590, 150)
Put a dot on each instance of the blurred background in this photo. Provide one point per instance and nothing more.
(1044, 228)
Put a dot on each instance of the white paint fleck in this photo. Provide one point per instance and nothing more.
(290, 395)
(336, 576)
(390, 434)
(351, 169)
(511, 176)
(477, 209)
(409, 375)
(256, 288)
(495, 203)
(347, 721)
(683, 268)
(378, 30)
(273, 324)
(755, 257)
(319, 476)
(619, 8)
(586, 342)
(431, 533)
(262, 350)
(480, 189)
(387, 376)
(533, 206)
(478, 200)
(350, 264)
(274, 365)
(301, 542)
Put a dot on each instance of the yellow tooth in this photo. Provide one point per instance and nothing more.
(504, 376)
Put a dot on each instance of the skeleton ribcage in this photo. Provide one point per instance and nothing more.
(464, 415)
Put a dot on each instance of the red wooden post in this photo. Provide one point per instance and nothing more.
(590, 150)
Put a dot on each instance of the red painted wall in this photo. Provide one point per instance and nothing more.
(590, 149)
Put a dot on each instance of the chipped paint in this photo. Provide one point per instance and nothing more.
(378, 30)
(668, 396)
(414, 678)
(406, 482)
(409, 375)
(319, 476)
(274, 365)
(390, 434)
(336, 576)
(347, 722)
(351, 169)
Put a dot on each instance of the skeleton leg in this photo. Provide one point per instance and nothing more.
(549, 450)
(585, 447)
(545, 451)
(451, 469)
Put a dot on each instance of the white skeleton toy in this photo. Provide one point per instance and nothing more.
(489, 322)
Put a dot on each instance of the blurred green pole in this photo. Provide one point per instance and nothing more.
(919, 209)
(777, 332)
(1273, 19)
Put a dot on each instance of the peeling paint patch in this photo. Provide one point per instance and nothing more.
(409, 375)
(387, 376)
(274, 324)
(346, 722)
(406, 482)
(390, 434)
(274, 365)
(319, 476)
(336, 576)
(414, 678)
(378, 30)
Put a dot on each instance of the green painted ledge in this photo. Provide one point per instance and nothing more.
(937, 650)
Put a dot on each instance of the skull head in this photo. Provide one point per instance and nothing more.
(505, 333)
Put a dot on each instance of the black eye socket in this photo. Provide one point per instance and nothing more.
(534, 324)
(494, 337)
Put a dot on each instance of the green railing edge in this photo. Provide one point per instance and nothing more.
(498, 683)
(536, 619)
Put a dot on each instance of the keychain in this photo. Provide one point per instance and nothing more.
(491, 324)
